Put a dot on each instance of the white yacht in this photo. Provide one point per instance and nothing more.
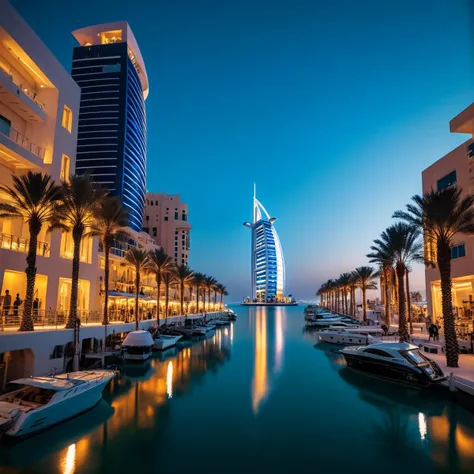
(350, 336)
(398, 361)
(165, 341)
(137, 345)
(41, 402)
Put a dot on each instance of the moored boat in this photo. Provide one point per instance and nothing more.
(165, 341)
(397, 361)
(137, 345)
(41, 402)
(345, 338)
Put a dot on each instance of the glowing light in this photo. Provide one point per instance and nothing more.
(69, 464)
(260, 384)
(422, 426)
(169, 380)
(226, 332)
(278, 340)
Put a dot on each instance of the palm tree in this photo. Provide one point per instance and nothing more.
(159, 263)
(139, 259)
(35, 199)
(110, 223)
(416, 296)
(184, 275)
(365, 280)
(385, 264)
(344, 282)
(198, 282)
(222, 290)
(353, 286)
(81, 203)
(442, 215)
(168, 278)
(209, 283)
(401, 244)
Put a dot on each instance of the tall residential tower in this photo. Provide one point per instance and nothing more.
(268, 265)
(110, 71)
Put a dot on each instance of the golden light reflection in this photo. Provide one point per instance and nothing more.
(278, 340)
(422, 425)
(69, 462)
(260, 382)
(169, 380)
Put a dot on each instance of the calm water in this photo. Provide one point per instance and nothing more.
(259, 396)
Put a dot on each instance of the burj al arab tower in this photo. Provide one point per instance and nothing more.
(268, 264)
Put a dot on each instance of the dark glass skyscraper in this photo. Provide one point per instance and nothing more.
(111, 144)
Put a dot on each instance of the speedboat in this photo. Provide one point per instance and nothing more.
(38, 403)
(220, 322)
(345, 338)
(137, 345)
(203, 328)
(324, 321)
(397, 361)
(165, 341)
(231, 316)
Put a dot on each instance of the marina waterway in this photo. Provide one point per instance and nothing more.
(261, 395)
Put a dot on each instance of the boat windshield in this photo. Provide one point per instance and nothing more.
(413, 356)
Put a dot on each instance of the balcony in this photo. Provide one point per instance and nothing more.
(19, 244)
(470, 150)
(22, 100)
(20, 139)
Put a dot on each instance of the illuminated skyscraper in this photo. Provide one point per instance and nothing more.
(268, 265)
(111, 143)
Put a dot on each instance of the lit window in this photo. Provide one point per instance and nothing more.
(67, 118)
(65, 166)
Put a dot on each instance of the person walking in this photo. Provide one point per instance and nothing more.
(431, 332)
(35, 308)
(16, 304)
(436, 332)
(7, 302)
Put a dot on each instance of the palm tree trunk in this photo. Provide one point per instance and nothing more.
(409, 301)
(27, 319)
(137, 292)
(402, 308)
(158, 296)
(450, 338)
(77, 238)
(197, 299)
(387, 296)
(364, 304)
(167, 301)
(105, 319)
(181, 287)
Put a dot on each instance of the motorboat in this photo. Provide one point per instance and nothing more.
(165, 341)
(137, 345)
(231, 316)
(37, 403)
(346, 338)
(203, 328)
(220, 322)
(397, 361)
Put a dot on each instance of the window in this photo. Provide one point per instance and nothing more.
(65, 165)
(458, 251)
(57, 352)
(147, 218)
(156, 203)
(166, 218)
(175, 216)
(67, 118)
(447, 181)
(111, 67)
(154, 231)
(377, 352)
(145, 229)
(5, 125)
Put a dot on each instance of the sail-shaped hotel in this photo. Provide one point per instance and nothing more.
(268, 264)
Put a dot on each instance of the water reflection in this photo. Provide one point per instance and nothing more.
(269, 325)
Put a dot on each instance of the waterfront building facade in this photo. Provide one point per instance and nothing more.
(455, 168)
(39, 108)
(166, 221)
(268, 264)
(111, 146)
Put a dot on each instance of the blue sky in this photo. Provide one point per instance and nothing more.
(332, 108)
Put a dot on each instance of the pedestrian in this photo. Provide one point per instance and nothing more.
(16, 304)
(7, 302)
(35, 307)
(431, 332)
(436, 332)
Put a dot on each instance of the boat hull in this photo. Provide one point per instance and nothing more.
(268, 304)
(390, 371)
(42, 419)
(161, 344)
(346, 339)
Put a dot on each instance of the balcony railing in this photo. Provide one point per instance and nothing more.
(19, 244)
(24, 142)
(470, 150)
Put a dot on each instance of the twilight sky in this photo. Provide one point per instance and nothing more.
(332, 108)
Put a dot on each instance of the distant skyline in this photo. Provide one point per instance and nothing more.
(332, 108)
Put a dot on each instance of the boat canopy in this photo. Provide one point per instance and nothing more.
(138, 339)
(49, 383)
